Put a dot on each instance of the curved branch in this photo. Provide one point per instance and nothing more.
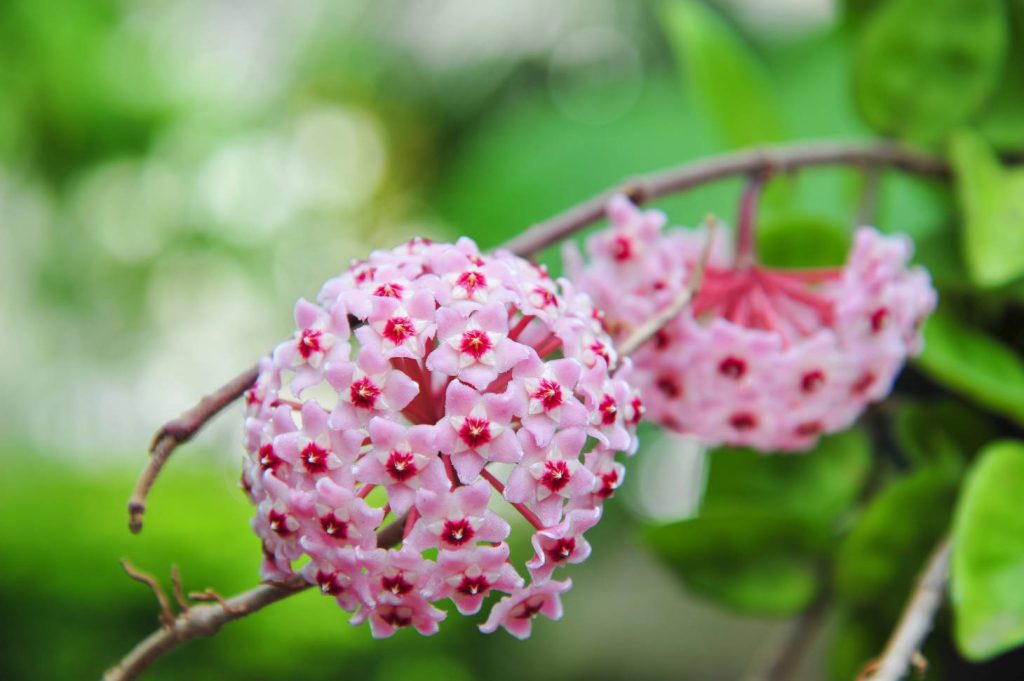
(781, 158)
(916, 620)
(181, 429)
(206, 620)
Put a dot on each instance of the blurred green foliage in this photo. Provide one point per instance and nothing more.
(133, 192)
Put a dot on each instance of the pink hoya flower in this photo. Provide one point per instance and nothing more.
(441, 393)
(765, 358)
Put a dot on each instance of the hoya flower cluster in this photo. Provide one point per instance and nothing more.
(765, 358)
(431, 390)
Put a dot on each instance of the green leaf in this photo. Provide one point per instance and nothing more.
(988, 554)
(926, 66)
(802, 240)
(880, 558)
(757, 562)
(817, 486)
(974, 364)
(992, 201)
(731, 83)
(1002, 120)
(941, 432)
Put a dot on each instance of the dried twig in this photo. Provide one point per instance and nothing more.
(166, 615)
(782, 158)
(902, 650)
(181, 429)
(206, 620)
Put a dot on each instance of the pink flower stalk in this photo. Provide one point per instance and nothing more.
(449, 392)
(765, 358)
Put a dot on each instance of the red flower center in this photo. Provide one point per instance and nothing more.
(556, 475)
(622, 248)
(743, 421)
(549, 393)
(547, 298)
(279, 523)
(562, 549)
(396, 617)
(812, 380)
(473, 586)
(475, 343)
(457, 532)
(669, 386)
(809, 428)
(599, 349)
(862, 384)
(732, 367)
(471, 281)
(329, 583)
(400, 465)
(878, 318)
(314, 458)
(396, 585)
(608, 410)
(268, 458)
(397, 329)
(389, 290)
(609, 481)
(310, 342)
(475, 432)
(335, 527)
(528, 609)
(364, 393)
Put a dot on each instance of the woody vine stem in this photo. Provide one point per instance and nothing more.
(205, 620)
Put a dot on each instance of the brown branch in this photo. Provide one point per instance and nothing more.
(786, 661)
(206, 620)
(180, 430)
(902, 650)
(166, 615)
(782, 158)
(785, 158)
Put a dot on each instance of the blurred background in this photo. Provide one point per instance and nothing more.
(175, 173)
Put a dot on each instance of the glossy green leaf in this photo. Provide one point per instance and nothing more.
(988, 554)
(755, 561)
(942, 432)
(719, 68)
(974, 364)
(1002, 120)
(802, 240)
(818, 485)
(992, 202)
(926, 66)
(880, 558)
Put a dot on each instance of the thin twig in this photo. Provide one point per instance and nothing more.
(867, 205)
(181, 429)
(179, 592)
(782, 158)
(903, 649)
(206, 620)
(166, 615)
(652, 326)
(786, 661)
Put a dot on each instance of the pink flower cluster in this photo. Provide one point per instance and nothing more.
(430, 383)
(764, 358)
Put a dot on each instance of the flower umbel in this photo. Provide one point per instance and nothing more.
(766, 358)
(428, 383)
